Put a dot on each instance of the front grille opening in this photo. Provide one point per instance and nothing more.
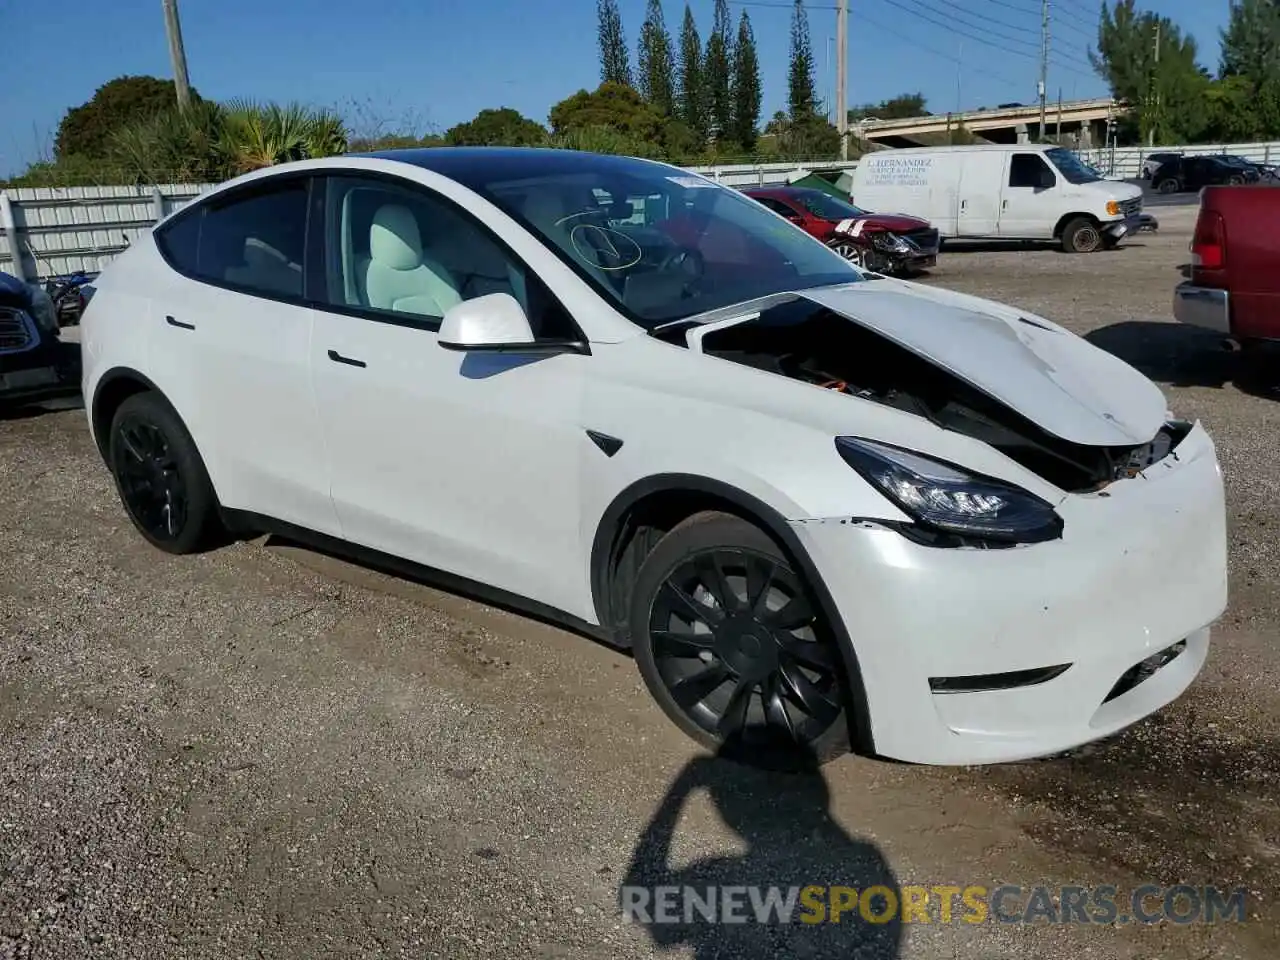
(985, 682)
(15, 331)
(1140, 672)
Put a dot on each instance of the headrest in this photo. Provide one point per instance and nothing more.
(258, 253)
(393, 238)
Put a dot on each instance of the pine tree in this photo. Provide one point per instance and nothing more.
(1251, 41)
(691, 101)
(717, 71)
(615, 65)
(657, 67)
(746, 86)
(800, 84)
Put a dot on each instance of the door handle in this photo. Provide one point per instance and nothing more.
(336, 357)
(178, 323)
(1004, 205)
(964, 204)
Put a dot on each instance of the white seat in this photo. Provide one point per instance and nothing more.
(397, 275)
(266, 268)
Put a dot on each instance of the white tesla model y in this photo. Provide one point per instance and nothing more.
(823, 507)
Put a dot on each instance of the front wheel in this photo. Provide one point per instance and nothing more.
(862, 257)
(1167, 186)
(733, 648)
(1081, 236)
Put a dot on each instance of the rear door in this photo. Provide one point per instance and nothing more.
(230, 336)
(978, 207)
(1028, 210)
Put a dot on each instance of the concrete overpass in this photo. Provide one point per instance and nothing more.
(1083, 121)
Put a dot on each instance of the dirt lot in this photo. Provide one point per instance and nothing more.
(265, 752)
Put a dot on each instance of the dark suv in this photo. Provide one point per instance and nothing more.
(1192, 173)
(35, 363)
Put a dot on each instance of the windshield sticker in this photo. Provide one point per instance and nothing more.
(693, 183)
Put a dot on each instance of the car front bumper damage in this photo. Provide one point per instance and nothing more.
(989, 655)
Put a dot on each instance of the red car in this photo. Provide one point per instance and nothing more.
(889, 243)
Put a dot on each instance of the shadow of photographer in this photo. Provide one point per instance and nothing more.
(792, 843)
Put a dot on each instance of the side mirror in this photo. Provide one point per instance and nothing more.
(496, 323)
(1047, 180)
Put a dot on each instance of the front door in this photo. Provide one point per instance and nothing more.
(1028, 210)
(464, 462)
(977, 205)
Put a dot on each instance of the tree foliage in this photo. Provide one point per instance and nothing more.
(691, 96)
(86, 130)
(801, 98)
(746, 86)
(902, 106)
(613, 106)
(717, 69)
(656, 61)
(615, 65)
(501, 127)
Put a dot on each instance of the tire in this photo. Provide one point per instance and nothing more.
(160, 477)
(864, 258)
(1167, 186)
(1081, 235)
(1235, 181)
(761, 686)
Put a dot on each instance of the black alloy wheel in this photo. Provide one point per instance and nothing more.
(160, 477)
(733, 648)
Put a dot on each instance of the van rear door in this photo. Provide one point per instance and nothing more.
(981, 176)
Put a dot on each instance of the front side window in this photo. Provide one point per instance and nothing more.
(1028, 170)
(666, 244)
(253, 240)
(398, 250)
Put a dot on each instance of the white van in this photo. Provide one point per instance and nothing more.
(1004, 191)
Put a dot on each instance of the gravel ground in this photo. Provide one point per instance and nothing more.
(267, 752)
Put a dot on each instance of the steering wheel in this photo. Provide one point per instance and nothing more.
(683, 260)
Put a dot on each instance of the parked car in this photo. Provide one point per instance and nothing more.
(1234, 287)
(34, 363)
(1016, 192)
(1153, 161)
(1195, 173)
(884, 243)
(820, 506)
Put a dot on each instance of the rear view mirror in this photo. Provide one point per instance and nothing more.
(496, 323)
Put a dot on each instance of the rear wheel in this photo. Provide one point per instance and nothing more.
(160, 477)
(1167, 186)
(733, 648)
(1081, 236)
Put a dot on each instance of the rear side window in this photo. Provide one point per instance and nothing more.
(255, 242)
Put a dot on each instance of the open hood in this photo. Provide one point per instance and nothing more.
(1067, 387)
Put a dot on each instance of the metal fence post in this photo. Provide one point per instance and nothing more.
(157, 204)
(10, 228)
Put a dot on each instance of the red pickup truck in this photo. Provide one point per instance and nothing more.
(1234, 287)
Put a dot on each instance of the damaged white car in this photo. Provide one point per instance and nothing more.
(824, 509)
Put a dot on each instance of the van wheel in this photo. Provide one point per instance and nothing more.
(1081, 236)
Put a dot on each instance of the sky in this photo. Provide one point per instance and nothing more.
(423, 64)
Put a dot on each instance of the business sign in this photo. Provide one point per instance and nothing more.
(898, 171)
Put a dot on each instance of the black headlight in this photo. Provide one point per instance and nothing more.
(943, 497)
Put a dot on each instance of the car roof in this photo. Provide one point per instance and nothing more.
(485, 164)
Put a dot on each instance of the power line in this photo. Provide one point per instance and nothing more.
(862, 16)
(972, 26)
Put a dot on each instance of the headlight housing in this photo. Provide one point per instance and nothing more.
(1113, 208)
(891, 242)
(945, 498)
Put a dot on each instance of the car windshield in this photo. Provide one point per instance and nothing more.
(1071, 166)
(660, 243)
(828, 207)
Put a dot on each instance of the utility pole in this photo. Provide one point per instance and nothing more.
(842, 76)
(177, 55)
(1155, 84)
(1044, 58)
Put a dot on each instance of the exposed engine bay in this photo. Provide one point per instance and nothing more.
(806, 341)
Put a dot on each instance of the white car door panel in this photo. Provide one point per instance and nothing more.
(437, 455)
(978, 210)
(240, 357)
(1031, 197)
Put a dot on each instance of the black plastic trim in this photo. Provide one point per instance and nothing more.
(773, 523)
(607, 444)
(112, 376)
(533, 348)
(247, 522)
(986, 682)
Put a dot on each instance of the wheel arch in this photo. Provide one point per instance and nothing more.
(113, 388)
(1061, 226)
(669, 499)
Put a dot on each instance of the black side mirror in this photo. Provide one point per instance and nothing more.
(1047, 180)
